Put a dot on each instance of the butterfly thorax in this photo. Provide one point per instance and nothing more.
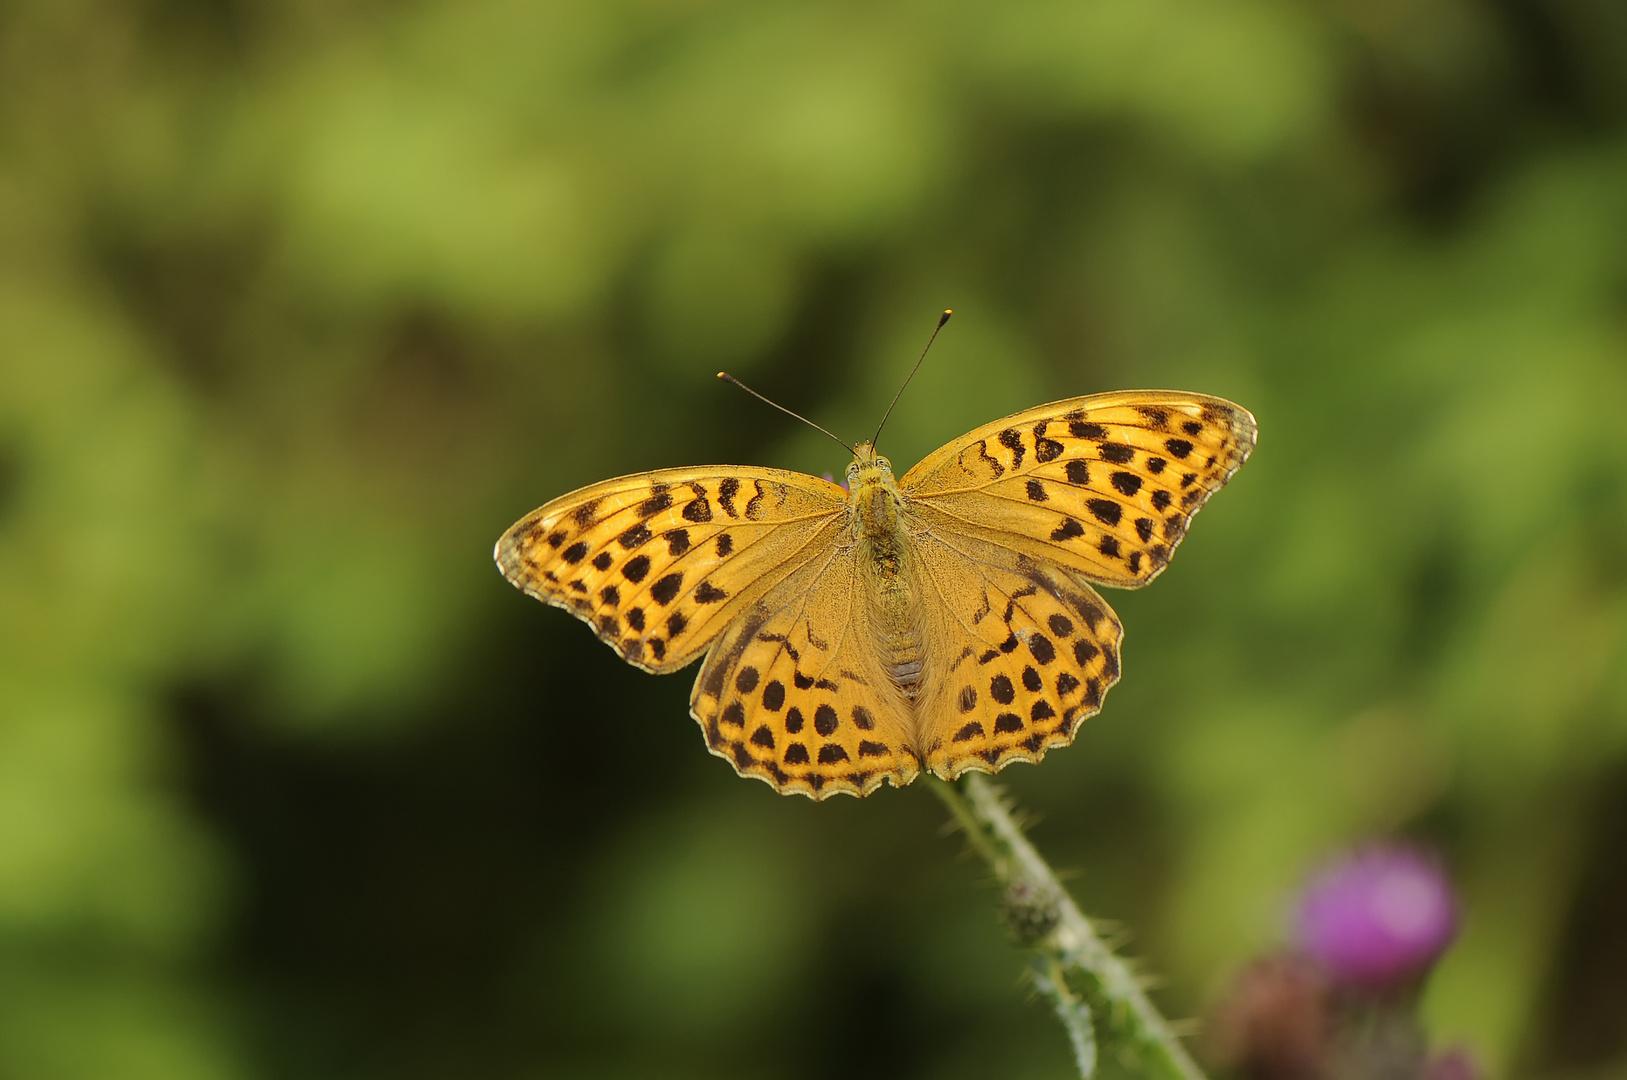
(884, 557)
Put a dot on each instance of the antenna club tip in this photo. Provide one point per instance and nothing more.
(945, 316)
(723, 375)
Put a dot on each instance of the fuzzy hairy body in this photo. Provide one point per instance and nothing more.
(890, 578)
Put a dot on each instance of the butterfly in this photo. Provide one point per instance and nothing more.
(943, 621)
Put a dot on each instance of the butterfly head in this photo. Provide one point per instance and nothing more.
(873, 491)
(868, 468)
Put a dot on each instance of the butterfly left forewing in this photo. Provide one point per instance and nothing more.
(1021, 651)
(659, 563)
(1105, 485)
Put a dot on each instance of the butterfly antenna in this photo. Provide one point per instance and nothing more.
(726, 377)
(941, 320)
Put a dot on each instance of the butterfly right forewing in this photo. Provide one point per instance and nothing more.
(659, 563)
(1105, 484)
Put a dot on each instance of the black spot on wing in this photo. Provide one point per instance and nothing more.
(664, 590)
(658, 501)
(1036, 491)
(1078, 472)
(1160, 499)
(1126, 483)
(1083, 430)
(726, 491)
(677, 541)
(1067, 530)
(1178, 447)
(1117, 453)
(1007, 722)
(1045, 449)
(700, 509)
(1105, 511)
(1012, 440)
(636, 569)
(575, 553)
(974, 730)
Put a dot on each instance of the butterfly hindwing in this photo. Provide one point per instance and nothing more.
(1105, 485)
(792, 692)
(659, 563)
(1023, 651)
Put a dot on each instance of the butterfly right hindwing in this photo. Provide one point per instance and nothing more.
(1022, 652)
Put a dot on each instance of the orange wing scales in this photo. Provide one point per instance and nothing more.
(659, 563)
(809, 711)
(1031, 652)
(1104, 485)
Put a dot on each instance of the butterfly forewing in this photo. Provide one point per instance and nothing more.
(1104, 484)
(792, 692)
(1022, 652)
(659, 563)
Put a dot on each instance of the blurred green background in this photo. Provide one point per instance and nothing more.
(302, 303)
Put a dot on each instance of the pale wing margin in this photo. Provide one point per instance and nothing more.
(659, 563)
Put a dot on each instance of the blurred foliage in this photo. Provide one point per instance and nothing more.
(302, 303)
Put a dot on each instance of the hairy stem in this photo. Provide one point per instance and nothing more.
(1073, 968)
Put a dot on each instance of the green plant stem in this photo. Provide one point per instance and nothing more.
(1072, 961)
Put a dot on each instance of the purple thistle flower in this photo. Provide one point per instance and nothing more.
(1453, 1064)
(1377, 918)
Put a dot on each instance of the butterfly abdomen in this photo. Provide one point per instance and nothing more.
(894, 591)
